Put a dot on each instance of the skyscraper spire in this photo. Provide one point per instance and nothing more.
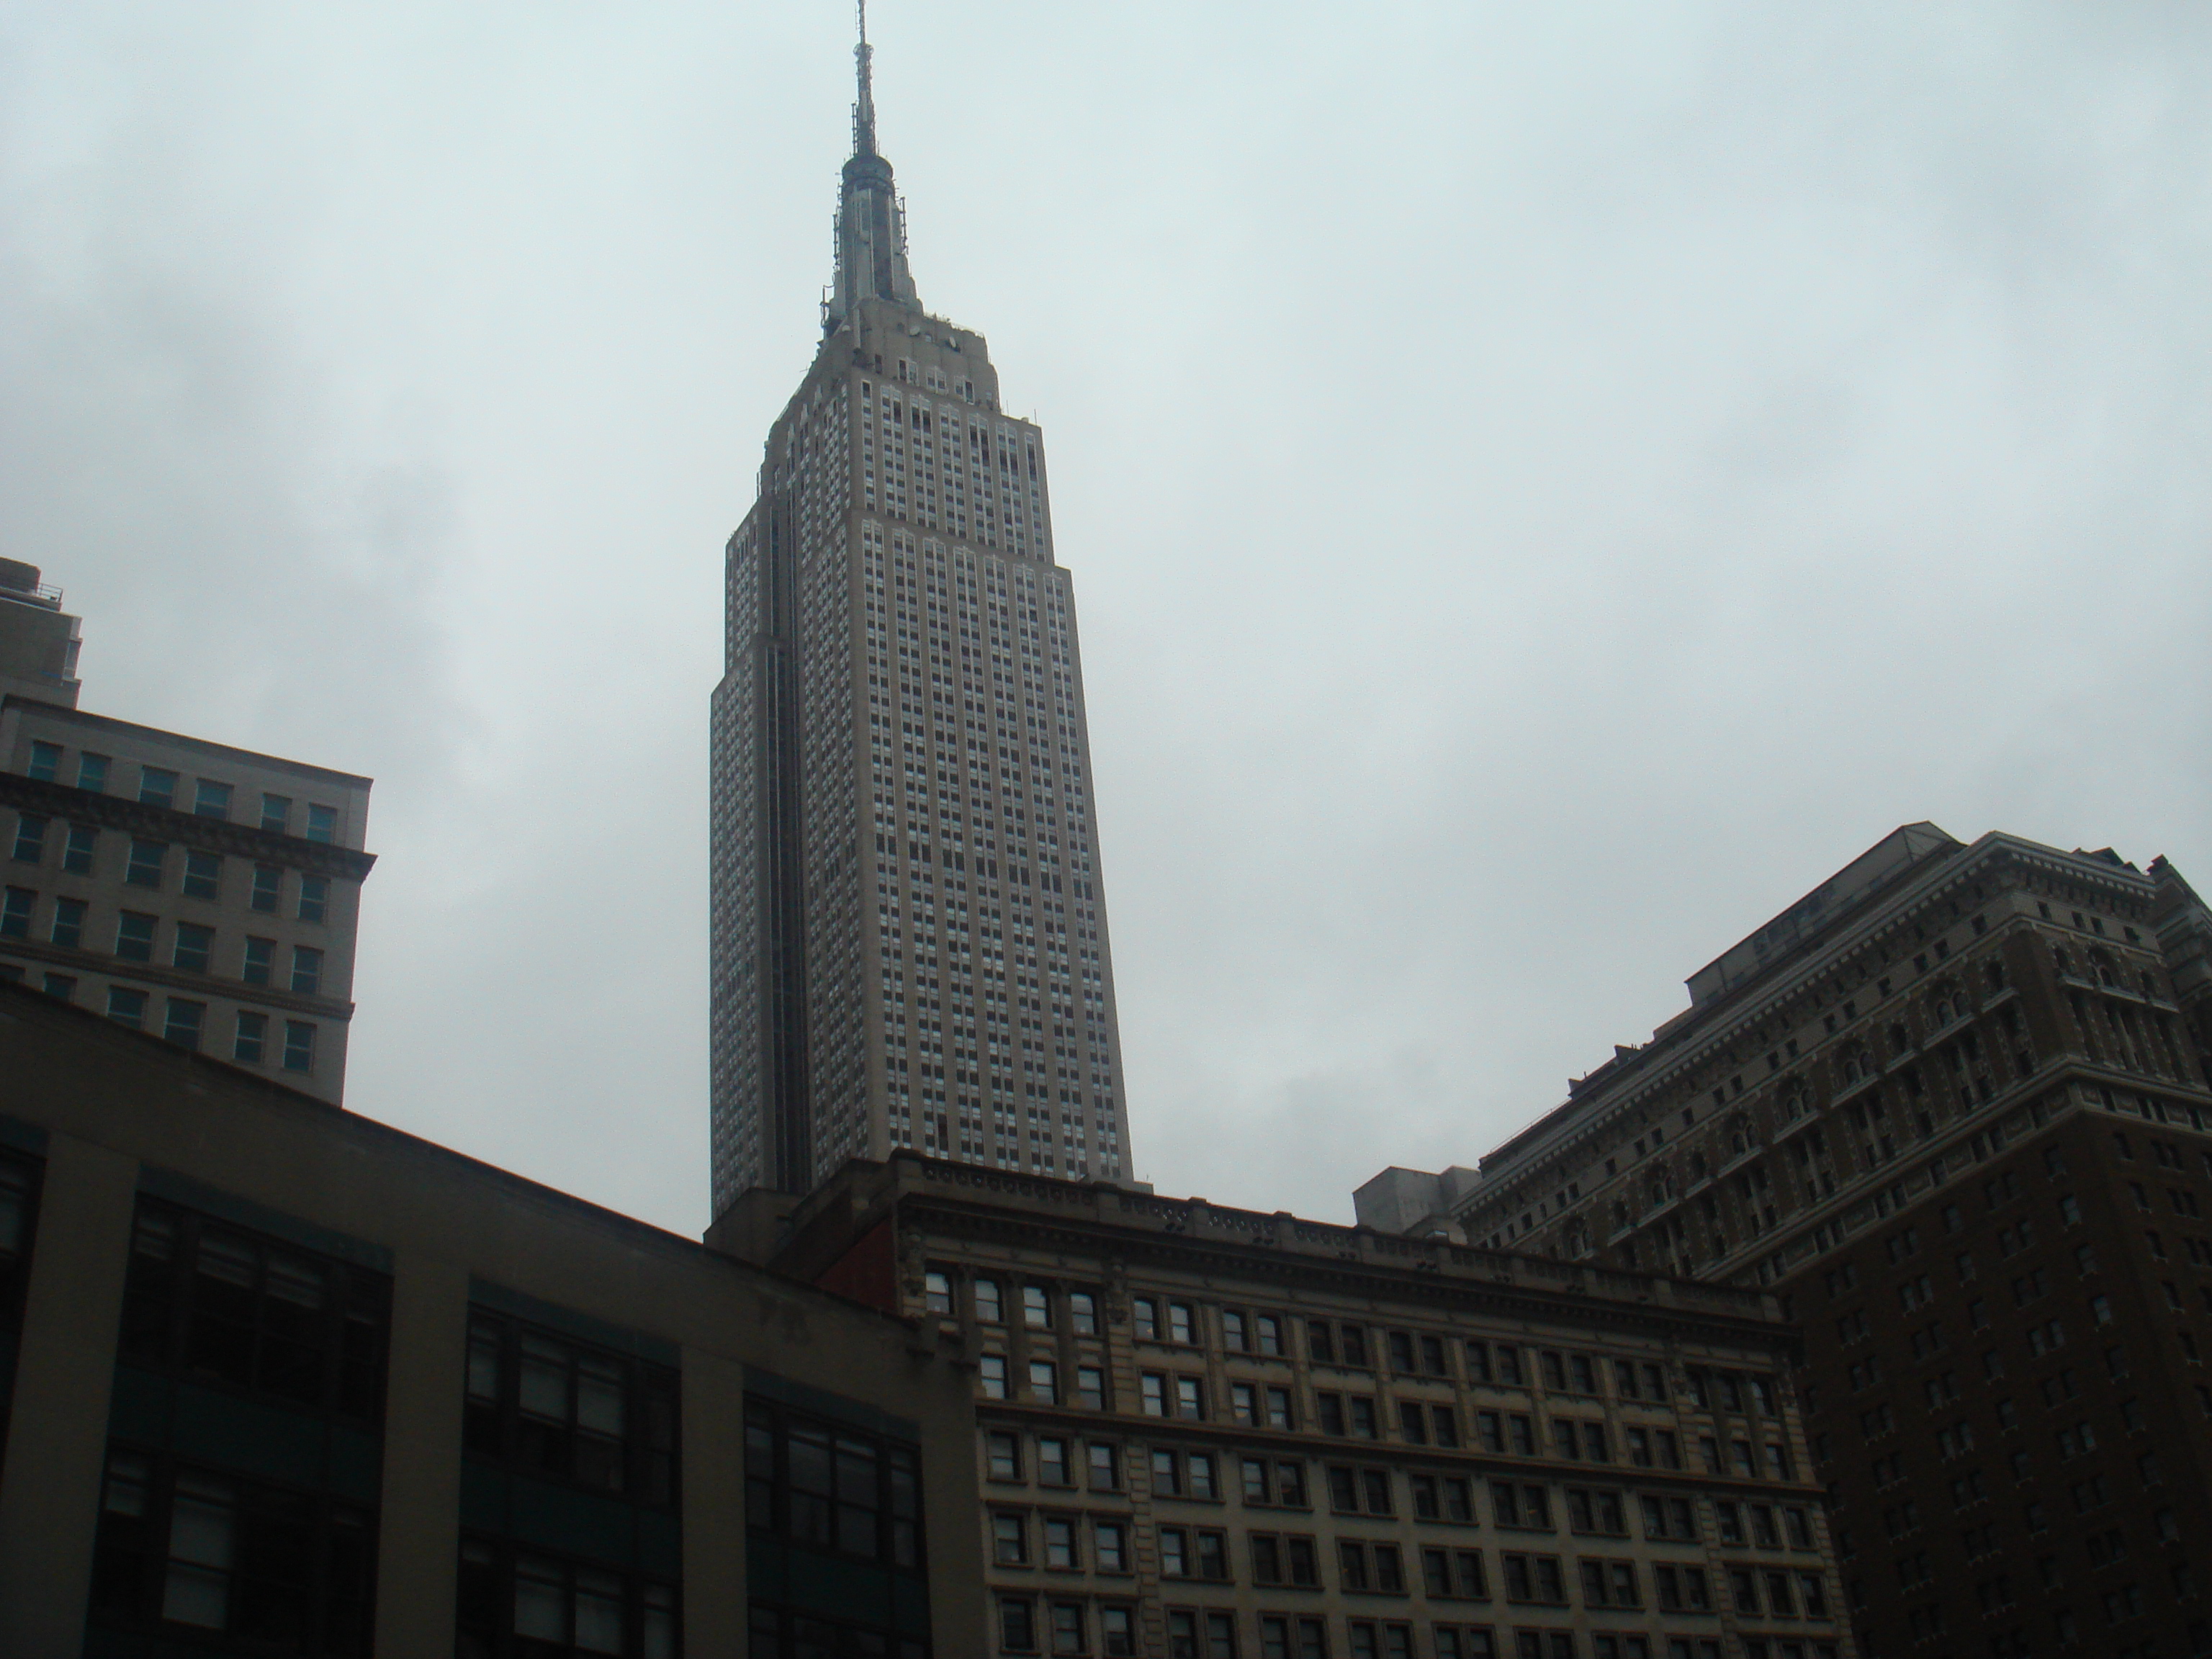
(871, 218)
(863, 108)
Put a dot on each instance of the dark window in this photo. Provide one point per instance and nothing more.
(210, 799)
(19, 1186)
(76, 852)
(134, 936)
(45, 762)
(69, 921)
(260, 955)
(184, 1021)
(91, 773)
(520, 1604)
(551, 1406)
(253, 1038)
(276, 813)
(832, 1488)
(195, 945)
(147, 858)
(30, 839)
(314, 897)
(322, 822)
(181, 1548)
(203, 875)
(157, 786)
(268, 879)
(299, 1046)
(205, 1299)
(15, 906)
(306, 970)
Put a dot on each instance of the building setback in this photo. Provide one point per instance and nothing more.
(1203, 1431)
(284, 1380)
(908, 935)
(1953, 1108)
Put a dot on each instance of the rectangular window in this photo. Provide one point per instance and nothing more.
(1190, 1399)
(306, 970)
(547, 1606)
(157, 786)
(147, 858)
(45, 762)
(990, 1308)
(77, 850)
(61, 985)
(91, 773)
(1083, 1313)
(991, 1374)
(210, 799)
(322, 822)
(549, 1405)
(299, 1046)
(185, 1022)
(220, 1555)
(1183, 1323)
(1044, 1382)
(15, 913)
(1052, 1468)
(134, 936)
(194, 948)
(204, 1298)
(1091, 1388)
(1145, 1312)
(268, 879)
(1109, 1546)
(1105, 1464)
(126, 1006)
(203, 875)
(30, 838)
(260, 955)
(1002, 1453)
(276, 813)
(1037, 1300)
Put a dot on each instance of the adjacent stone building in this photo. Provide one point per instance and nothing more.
(1203, 1432)
(207, 894)
(276, 1379)
(1954, 1107)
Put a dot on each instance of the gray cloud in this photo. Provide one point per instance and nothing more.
(1544, 486)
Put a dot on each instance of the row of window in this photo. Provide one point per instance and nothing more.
(1409, 1353)
(137, 936)
(1072, 1543)
(1420, 1422)
(1268, 1482)
(158, 785)
(147, 864)
(1053, 1626)
(254, 1038)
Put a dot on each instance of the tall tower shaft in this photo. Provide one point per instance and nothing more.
(908, 935)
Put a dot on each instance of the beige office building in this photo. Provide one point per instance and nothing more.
(1208, 1433)
(908, 929)
(206, 894)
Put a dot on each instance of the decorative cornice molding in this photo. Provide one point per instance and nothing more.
(139, 817)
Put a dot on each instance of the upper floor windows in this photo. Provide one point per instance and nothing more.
(832, 1488)
(552, 1406)
(205, 1299)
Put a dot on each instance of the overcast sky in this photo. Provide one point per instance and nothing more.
(1545, 485)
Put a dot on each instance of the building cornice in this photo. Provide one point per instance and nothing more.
(138, 818)
(1192, 1235)
(235, 990)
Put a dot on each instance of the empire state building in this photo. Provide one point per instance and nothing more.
(909, 931)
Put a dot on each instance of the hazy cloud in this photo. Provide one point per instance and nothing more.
(1544, 486)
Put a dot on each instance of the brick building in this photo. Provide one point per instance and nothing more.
(1953, 1108)
(1205, 1433)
